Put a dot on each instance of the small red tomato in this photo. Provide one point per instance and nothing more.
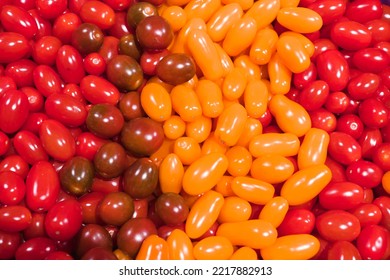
(89, 203)
(323, 119)
(338, 170)
(303, 79)
(46, 80)
(365, 173)
(364, 10)
(14, 110)
(44, 25)
(369, 140)
(15, 163)
(64, 25)
(87, 145)
(64, 220)
(58, 255)
(98, 13)
(363, 86)
(9, 243)
(337, 102)
(329, 10)
(14, 218)
(297, 221)
(341, 196)
(21, 72)
(42, 187)
(51, 9)
(36, 227)
(18, 20)
(381, 156)
(373, 113)
(6, 83)
(368, 214)
(372, 60)
(35, 249)
(29, 147)
(350, 124)
(35, 99)
(98, 90)
(69, 63)
(5, 143)
(372, 242)
(45, 50)
(343, 250)
(344, 148)
(13, 47)
(350, 35)
(94, 64)
(314, 95)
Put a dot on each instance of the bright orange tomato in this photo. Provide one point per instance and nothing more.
(199, 129)
(203, 9)
(252, 128)
(153, 248)
(240, 35)
(264, 12)
(279, 75)
(234, 84)
(253, 190)
(171, 174)
(299, 19)
(272, 168)
(256, 98)
(240, 161)
(180, 246)
(187, 149)
(210, 98)
(293, 53)
(284, 144)
(263, 46)
(213, 248)
(234, 209)
(314, 148)
(244, 253)
(180, 42)
(274, 211)
(185, 102)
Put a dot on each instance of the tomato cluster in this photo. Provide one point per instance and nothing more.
(191, 129)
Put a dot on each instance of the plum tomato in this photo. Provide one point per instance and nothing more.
(104, 120)
(365, 173)
(341, 196)
(29, 147)
(110, 160)
(14, 46)
(14, 110)
(14, 218)
(35, 249)
(372, 242)
(9, 243)
(344, 148)
(297, 221)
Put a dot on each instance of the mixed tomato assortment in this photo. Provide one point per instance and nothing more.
(194, 129)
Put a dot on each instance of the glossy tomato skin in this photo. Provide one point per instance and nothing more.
(69, 63)
(372, 242)
(51, 9)
(344, 148)
(297, 221)
(64, 25)
(14, 46)
(21, 72)
(98, 90)
(373, 113)
(57, 140)
(29, 147)
(42, 187)
(89, 203)
(333, 68)
(341, 196)
(368, 214)
(14, 110)
(350, 35)
(91, 236)
(343, 250)
(36, 227)
(350, 124)
(14, 218)
(381, 156)
(15, 163)
(329, 10)
(104, 120)
(35, 249)
(363, 86)
(44, 25)
(372, 60)
(98, 13)
(314, 95)
(64, 220)
(364, 10)
(369, 140)
(35, 99)
(9, 243)
(87, 145)
(18, 20)
(46, 80)
(365, 173)
(66, 109)
(44, 50)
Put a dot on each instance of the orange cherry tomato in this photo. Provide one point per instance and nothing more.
(289, 3)
(153, 248)
(252, 128)
(205, 54)
(187, 149)
(252, 190)
(231, 124)
(256, 233)
(203, 9)
(225, 59)
(240, 161)
(306, 42)
(293, 53)
(314, 148)
(213, 145)
(279, 75)
(199, 129)
(264, 12)
(213, 248)
(284, 144)
(252, 70)
(180, 246)
(180, 42)
(204, 173)
(272, 168)
(263, 46)
(185, 102)
(224, 186)
(274, 211)
(171, 174)
(203, 214)
(244, 253)
(299, 19)
(292, 247)
(156, 102)
(221, 21)
(306, 184)
(256, 98)
(174, 127)
(234, 84)
(176, 17)
(245, 4)
(210, 98)
(290, 116)
(235, 209)
(177, 2)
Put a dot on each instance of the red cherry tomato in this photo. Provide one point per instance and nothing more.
(35, 99)
(323, 119)
(69, 63)
(372, 242)
(98, 13)
(372, 60)
(365, 173)
(46, 80)
(51, 9)
(87, 145)
(381, 156)
(314, 95)
(44, 25)
(350, 124)
(94, 64)
(373, 113)
(45, 49)
(6, 83)
(29, 147)
(35, 249)
(15, 163)
(64, 25)
(64, 220)
(14, 218)
(343, 250)
(18, 20)
(341, 196)
(5, 143)
(344, 148)
(350, 35)
(98, 90)
(303, 79)
(13, 46)
(297, 221)
(363, 86)
(364, 10)
(329, 10)
(21, 72)
(36, 227)
(14, 110)
(368, 214)
(42, 187)
(369, 140)
(9, 243)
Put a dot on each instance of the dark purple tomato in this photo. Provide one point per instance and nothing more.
(87, 38)
(141, 178)
(128, 45)
(341, 196)
(9, 243)
(21, 72)
(365, 173)
(76, 175)
(13, 47)
(35, 249)
(116, 208)
(12, 188)
(89, 203)
(142, 136)
(69, 63)
(14, 218)
(154, 33)
(133, 233)
(99, 253)
(124, 72)
(344, 148)
(42, 187)
(372, 242)
(138, 11)
(64, 220)
(171, 208)
(92, 236)
(14, 110)
(110, 160)
(105, 120)
(29, 147)
(176, 68)
(130, 105)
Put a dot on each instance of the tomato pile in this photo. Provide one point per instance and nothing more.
(194, 129)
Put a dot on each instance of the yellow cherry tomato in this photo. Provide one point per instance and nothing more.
(235, 209)
(213, 248)
(314, 148)
(210, 98)
(256, 98)
(171, 173)
(187, 149)
(274, 211)
(306, 42)
(252, 127)
(231, 123)
(306, 184)
(386, 181)
(245, 4)
(199, 129)
(204, 173)
(292, 247)
(244, 253)
(256, 233)
(203, 214)
(272, 168)
(264, 12)
(252, 70)
(252, 190)
(175, 16)
(279, 75)
(234, 84)
(180, 246)
(185, 102)
(293, 53)
(284, 144)
(156, 102)
(205, 54)
(153, 248)
(180, 42)
(264, 46)
(220, 22)
(225, 59)
(203, 9)
(299, 19)
(224, 186)
(240, 161)
(174, 127)
(290, 116)
(213, 145)
(165, 149)
(240, 36)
